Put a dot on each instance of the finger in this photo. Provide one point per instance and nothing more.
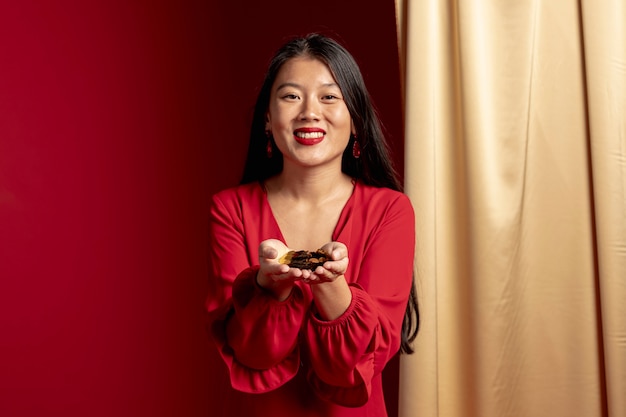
(336, 250)
(337, 267)
(322, 275)
(321, 270)
(268, 252)
(339, 253)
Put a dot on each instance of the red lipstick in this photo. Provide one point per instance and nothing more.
(309, 135)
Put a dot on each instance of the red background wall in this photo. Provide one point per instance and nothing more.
(117, 120)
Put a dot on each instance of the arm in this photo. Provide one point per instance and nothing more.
(346, 353)
(330, 289)
(255, 333)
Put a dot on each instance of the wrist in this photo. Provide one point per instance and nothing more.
(279, 290)
(332, 298)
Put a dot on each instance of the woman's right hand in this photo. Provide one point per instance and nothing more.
(274, 276)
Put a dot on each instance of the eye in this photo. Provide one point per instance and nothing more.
(330, 97)
(290, 96)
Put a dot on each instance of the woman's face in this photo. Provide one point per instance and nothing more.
(307, 115)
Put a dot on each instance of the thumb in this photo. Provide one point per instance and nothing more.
(268, 252)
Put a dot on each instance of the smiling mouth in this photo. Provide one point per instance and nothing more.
(309, 135)
(309, 138)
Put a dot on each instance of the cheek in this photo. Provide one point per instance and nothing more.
(343, 116)
(279, 117)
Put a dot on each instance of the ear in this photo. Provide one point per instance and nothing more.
(352, 128)
(268, 122)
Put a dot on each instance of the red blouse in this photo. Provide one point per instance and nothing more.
(282, 359)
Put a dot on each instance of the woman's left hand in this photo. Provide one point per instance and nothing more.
(333, 268)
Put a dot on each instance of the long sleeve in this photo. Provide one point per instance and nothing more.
(347, 352)
(283, 349)
(256, 335)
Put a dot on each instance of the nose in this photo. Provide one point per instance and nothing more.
(310, 109)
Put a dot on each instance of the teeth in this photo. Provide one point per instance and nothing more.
(309, 135)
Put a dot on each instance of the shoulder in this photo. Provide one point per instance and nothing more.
(382, 198)
(239, 193)
(234, 201)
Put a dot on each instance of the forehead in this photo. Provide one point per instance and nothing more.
(306, 70)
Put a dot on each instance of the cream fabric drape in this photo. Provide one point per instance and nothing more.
(515, 118)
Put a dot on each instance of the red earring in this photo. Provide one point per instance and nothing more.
(268, 148)
(356, 149)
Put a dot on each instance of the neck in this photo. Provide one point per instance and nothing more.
(315, 185)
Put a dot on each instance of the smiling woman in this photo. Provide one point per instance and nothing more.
(312, 340)
(307, 116)
(117, 122)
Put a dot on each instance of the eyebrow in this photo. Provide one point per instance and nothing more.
(295, 85)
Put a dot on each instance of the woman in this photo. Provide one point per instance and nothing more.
(312, 340)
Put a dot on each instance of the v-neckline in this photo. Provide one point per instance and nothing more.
(340, 220)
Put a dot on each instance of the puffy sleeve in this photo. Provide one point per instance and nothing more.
(348, 352)
(256, 335)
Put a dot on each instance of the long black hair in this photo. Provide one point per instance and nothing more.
(374, 167)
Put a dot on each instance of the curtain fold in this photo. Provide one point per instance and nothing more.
(604, 42)
(516, 165)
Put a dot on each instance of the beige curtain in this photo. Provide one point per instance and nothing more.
(515, 118)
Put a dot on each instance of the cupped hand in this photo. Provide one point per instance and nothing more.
(333, 268)
(271, 272)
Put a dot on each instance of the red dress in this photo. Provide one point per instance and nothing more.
(281, 359)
